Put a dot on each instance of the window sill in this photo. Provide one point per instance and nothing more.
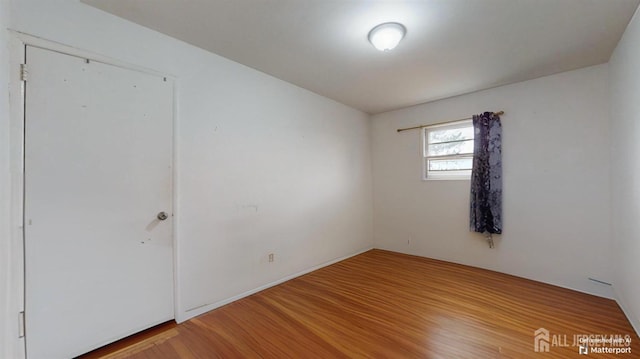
(447, 179)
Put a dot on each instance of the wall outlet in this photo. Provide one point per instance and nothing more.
(271, 257)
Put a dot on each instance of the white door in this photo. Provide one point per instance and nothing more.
(98, 156)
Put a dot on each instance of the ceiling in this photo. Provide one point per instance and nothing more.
(451, 47)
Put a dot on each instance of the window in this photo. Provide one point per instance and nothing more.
(448, 150)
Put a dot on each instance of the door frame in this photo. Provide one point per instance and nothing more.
(17, 52)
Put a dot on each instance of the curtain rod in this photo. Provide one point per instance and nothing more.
(499, 113)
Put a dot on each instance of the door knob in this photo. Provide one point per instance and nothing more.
(162, 216)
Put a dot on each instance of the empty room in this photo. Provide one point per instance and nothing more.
(319, 179)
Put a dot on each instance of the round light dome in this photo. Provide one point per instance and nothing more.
(387, 36)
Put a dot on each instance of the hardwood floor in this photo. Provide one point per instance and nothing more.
(387, 305)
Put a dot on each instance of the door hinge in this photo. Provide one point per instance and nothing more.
(21, 324)
(23, 72)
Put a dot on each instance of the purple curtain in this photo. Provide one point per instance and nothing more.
(486, 176)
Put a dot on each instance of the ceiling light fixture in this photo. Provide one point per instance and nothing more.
(387, 36)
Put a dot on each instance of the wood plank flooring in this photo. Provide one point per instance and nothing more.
(387, 305)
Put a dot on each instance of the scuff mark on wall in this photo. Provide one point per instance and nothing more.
(250, 207)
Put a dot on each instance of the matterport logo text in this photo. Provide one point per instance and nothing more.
(544, 341)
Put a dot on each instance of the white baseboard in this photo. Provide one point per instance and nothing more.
(635, 322)
(181, 317)
(604, 293)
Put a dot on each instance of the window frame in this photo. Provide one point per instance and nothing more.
(450, 175)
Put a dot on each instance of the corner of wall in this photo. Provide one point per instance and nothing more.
(625, 122)
(633, 319)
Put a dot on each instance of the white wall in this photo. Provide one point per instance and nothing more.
(625, 169)
(266, 168)
(263, 166)
(556, 182)
(9, 343)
